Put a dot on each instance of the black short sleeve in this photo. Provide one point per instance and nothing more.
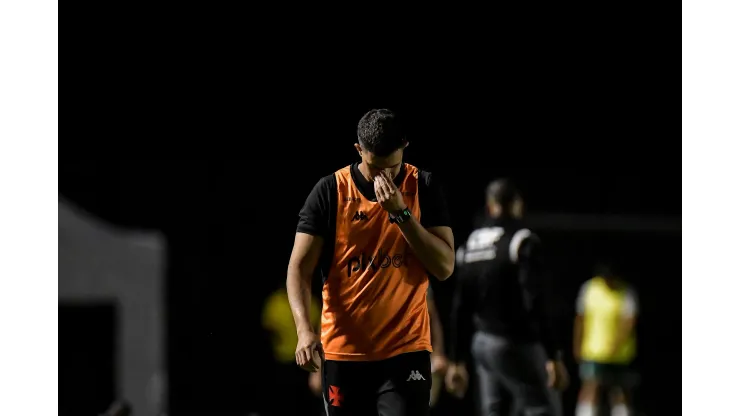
(315, 216)
(433, 202)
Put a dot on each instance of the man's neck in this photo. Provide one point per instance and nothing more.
(365, 171)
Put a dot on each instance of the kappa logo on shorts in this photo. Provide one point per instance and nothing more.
(335, 397)
(416, 376)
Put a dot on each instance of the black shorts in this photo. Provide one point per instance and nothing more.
(610, 375)
(398, 386)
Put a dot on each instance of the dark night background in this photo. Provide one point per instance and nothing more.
(213, 210)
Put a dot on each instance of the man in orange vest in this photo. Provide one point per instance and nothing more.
(376, 230)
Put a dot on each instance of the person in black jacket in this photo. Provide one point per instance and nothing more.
(501, 304)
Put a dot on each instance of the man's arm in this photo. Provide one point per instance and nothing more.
(303, 261)
(537, 291)
(433, 247)
(439, 360)
(431, 240)
(438, 344)
(307, 247)
(312, 226)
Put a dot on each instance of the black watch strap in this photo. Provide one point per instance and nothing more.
(402, 217)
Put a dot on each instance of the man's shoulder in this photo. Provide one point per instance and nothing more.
(326, 183)
(343, 170)
(426, 181)
(424, 176)
(328, 179)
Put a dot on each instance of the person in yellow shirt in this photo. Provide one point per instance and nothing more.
(277, 320)
(604, 342)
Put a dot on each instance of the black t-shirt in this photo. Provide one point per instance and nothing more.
(319, 212)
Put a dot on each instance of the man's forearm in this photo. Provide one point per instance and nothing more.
(299, 295)
(433, 252)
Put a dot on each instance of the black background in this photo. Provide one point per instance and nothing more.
(230, 225)
(220, 151)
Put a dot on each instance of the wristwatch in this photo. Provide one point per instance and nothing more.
(401, 217)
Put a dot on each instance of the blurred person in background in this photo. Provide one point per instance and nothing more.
(277, 320)
(376, 230)
(502, 297)
(604, 342)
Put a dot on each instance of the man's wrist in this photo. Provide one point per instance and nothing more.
(306, 330)
(398, 212)
(399, 216)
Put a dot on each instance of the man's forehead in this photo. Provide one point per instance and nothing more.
(390, 161)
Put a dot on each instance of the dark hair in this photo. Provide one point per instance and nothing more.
(381, 132)
(503, 192)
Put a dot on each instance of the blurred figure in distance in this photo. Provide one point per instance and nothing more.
(604, 342)
(502, 292)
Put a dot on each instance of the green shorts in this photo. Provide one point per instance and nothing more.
(617, 375)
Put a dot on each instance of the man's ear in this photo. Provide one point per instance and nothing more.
(358, 148)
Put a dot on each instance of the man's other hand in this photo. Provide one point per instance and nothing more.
(308, 352)
(439, 364)
(456, 380)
